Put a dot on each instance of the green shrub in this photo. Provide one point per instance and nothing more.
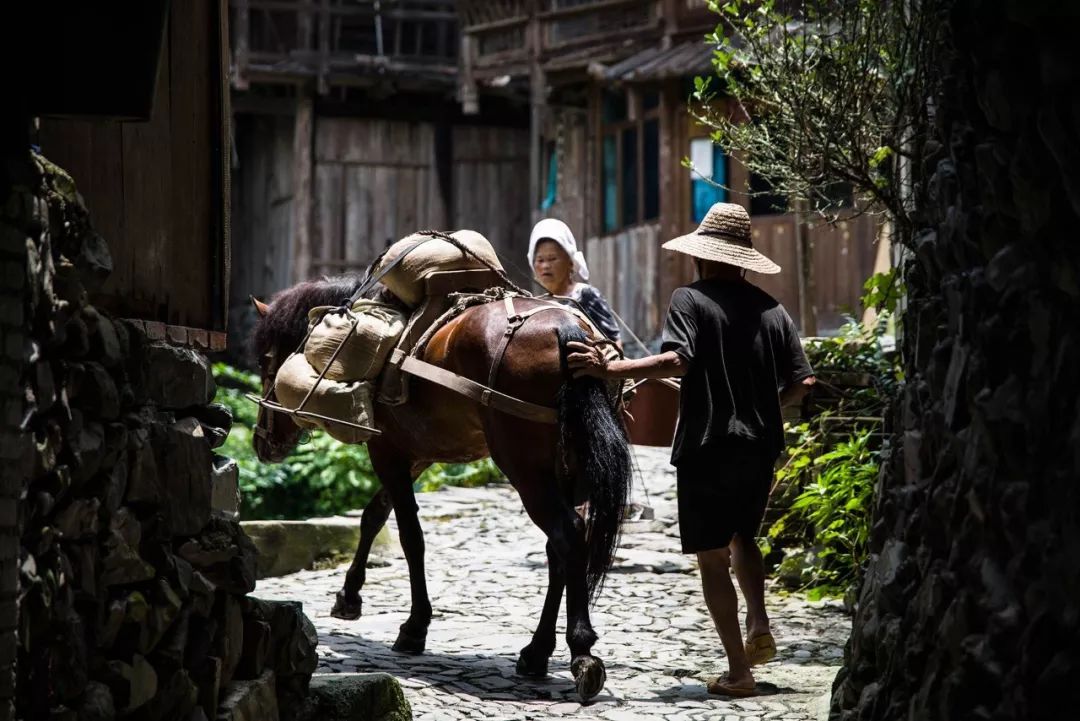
(832, 512)
(832, 463)
(321, 477)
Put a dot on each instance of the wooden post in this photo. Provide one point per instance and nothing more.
(224, 97)
(669, 14)
(804, 260)
(303, 142)
(323, 83)
(241, 44)
(537, 105)
(467, 92)
(305, 26)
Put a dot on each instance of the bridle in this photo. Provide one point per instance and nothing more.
(267, 433)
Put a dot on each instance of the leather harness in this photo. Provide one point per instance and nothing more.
(486, 395)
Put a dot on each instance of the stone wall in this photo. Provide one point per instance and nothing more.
(130, 567)
(971, 605)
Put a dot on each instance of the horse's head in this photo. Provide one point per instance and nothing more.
(276, 435)
(281, 329)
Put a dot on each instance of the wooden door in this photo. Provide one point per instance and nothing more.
(375, 181)
(491, 190)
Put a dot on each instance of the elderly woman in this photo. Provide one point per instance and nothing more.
(560, 267)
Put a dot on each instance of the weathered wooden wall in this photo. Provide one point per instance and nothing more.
(262, 222)
(569, 133)
(157, 190)
(625, 267)
(375, 181)
(490, 190)
(844, 256)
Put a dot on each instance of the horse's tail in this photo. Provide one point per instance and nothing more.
(599, 458)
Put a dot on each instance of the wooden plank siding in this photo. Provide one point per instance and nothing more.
(375, 181)
(156, 189)
(625, 268)
(263, 204)
(490, 191)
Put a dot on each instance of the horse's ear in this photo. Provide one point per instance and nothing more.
(261, 308)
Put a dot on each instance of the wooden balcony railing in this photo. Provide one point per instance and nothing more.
(502, 36)
(498, 39)
(293, 40)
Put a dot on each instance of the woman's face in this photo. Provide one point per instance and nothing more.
(552, 266)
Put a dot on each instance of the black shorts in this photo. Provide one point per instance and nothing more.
(722, 491)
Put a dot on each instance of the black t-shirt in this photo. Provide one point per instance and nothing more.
(743, 348)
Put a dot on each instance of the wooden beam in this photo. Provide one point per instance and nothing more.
(257, 105)
(303, 142)
(584, 9)
(224, 171)
(804, 260)
(324, 47)
(537, 102)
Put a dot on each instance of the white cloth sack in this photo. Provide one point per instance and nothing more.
(366, 347)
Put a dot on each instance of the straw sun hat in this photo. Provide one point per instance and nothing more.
(724, 236)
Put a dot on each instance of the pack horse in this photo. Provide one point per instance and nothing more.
(511, 349)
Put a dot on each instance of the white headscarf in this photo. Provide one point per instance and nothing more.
(552, 229)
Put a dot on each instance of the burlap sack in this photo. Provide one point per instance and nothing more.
(406, 281)
(378, 327)
(334, 399)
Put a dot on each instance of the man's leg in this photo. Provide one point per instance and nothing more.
(724, 608)
(749, 569)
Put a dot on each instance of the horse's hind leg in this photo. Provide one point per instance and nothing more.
(533, 660)
(588, 670)
(348, 604)
(566, 558)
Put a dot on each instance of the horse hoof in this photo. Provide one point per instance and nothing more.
(529, 665)
(410, 644)
(589, 676)
(346, 609)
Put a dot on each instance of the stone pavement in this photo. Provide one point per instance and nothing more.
(486, 571)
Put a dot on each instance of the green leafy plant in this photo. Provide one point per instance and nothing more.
(321, 477)
(882, 291)
(826, 482)
(833, 509)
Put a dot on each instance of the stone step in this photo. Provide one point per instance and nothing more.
(289, 546)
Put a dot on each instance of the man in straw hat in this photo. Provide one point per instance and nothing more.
(740, 358)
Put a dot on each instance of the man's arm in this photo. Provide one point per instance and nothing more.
(587, 360)
(793, 393)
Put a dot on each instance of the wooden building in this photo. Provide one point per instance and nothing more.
(349, 134)
(608, 83)
(138, 114)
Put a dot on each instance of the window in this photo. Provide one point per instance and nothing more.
(710, 164)
(551, 182)
(763, 201)
(629, 159)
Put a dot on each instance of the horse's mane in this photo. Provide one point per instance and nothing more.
(285, 324)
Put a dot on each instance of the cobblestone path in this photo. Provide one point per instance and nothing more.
(487, 576)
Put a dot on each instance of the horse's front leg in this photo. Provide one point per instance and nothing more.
(397, 478)
(348, 604)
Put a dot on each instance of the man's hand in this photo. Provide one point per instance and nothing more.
(586, 360)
